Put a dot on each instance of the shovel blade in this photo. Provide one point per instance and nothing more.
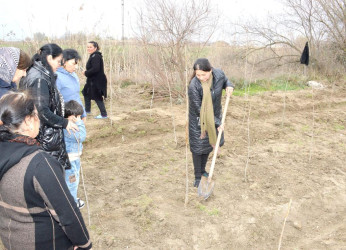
(205, 188)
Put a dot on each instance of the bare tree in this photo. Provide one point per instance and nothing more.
(320, 22)
(166, 25)
(332, 16)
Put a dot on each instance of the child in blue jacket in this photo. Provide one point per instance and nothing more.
(74, 148)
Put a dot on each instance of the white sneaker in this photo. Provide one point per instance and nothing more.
(80, 203)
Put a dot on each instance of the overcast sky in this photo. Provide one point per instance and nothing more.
(103, 17)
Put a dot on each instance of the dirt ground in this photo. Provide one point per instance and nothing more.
(284, 157)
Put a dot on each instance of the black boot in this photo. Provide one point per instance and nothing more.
(196, 183)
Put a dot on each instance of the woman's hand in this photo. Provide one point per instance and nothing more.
(229, 91)
(221, 128)
(71, 126)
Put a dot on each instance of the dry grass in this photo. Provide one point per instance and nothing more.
(138, 63)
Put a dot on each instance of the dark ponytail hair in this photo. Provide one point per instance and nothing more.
(50, 49)
(14, 108)
(201, 64)
(95, 44)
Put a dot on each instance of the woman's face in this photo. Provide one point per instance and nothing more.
(55, 62)
(203, 76)
(18, 75)
(90, 48)
(71, 65)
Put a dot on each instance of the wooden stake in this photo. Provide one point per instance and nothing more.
(186, 134)
(283, 227)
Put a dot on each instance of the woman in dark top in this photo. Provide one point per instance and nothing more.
(37, 210)
(41, 83)
(205, 112)
(96, 85)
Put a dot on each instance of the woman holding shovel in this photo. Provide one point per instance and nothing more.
(205, 111)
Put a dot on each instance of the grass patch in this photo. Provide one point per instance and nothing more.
(139, 210)
(306, 128)
(164, 170)
(141, 132)
(107, 131)
(278, 84)
(127, 82)
(202, 207)
(120, 130)
(143, 202)
(211, 212)
(172, 159)
(151, 120)
(339, 127)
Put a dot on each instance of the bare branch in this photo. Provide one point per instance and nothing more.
(171, 25)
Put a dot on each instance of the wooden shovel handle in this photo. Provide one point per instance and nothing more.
(211, 171)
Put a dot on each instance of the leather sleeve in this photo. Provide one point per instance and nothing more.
(40, 92)
(195, 100)
(227, 83)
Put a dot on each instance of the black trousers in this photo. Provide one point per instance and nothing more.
(199, 163)
(99, 103)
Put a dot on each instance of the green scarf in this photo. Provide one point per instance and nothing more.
(207, 113)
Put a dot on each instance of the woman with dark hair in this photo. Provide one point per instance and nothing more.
(13, 65)
(37, 210)
(205, 112)
(40, 81)
(96, 85)
(67, 81)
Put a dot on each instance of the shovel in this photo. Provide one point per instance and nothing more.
(206, 186)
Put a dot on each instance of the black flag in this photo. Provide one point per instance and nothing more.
(304, 59)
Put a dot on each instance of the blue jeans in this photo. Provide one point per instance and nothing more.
(72, 178)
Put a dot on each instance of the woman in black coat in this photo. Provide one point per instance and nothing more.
(205, 93)
(40, 81)
(96, 85)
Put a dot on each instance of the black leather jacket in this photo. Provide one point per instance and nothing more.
(50, 107)
(220, 82)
